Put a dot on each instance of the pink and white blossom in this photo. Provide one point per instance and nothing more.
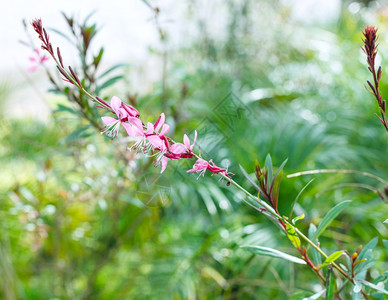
(131, 124)
(201, 165)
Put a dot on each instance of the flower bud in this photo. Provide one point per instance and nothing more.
(354, 256)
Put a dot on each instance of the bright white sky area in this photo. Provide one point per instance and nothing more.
(127, 26)
(127, 32)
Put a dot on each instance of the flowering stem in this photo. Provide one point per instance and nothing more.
(93, 98)
(370, 49)
(156, 136)
(277, 216)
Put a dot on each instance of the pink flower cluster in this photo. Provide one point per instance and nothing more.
(152, 139)
(36, 60)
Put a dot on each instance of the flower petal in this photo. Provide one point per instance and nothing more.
(129, 129)
(150, 128)
(115, 103)
(32, 68)
(130, 110)
(186, 141)
(109, 121)
(165, 129)
(199, 165)
(155, 141)
(178, 148)
(160, 122)
(137, 124)
(163, 164)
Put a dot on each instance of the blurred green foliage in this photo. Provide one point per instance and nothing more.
(83, 218)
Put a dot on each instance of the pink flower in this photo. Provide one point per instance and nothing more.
(132, 112)
(131, 124)
(159, 124)
(179, 150)
(37, 60)
(156, 134)
(201, 165)
(187, 142)
(175, 151)
(153, 138)
(142, 143)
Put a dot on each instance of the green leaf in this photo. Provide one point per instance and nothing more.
(297, 197)
(273, 253)
(330, 216)
(356, 290)
(317, 258)
(268, 166)
(281, 167)
(292, 236)
(296, 219)
(371, 285)
(279, 170)
(61, 34)
(89, 16)
(276, 188)
(114, 68)
(246, 175)
(307, 295)
(63, 108)
(97, 58)
(78, 133)
(330, 285)
(366, 253)
(385, 243)
(333, 257)
(109, 82)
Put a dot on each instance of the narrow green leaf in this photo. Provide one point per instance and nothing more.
(276, 188)
(317, 258)
(356, 290)
(306, 295)
(330, 285)
(246, 175)
(268, 166)
(316, 295)
(296, 219)
(63, 108)
(292, 236)
(89, 16)
(61, 34)
(366, 253)
(109, 82)
(333, 257)
(208, 200)
(330, 216)
(359, 261)
(77, 134)
(385, 243)
(280, 169)
(373, 286)
(273, 253)
(114, 68)
(97, 58)
(297, 197)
